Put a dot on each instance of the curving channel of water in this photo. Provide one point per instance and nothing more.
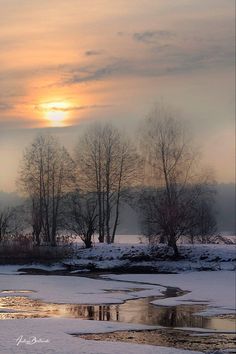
(135, 311)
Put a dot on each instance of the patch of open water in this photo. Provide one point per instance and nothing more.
(137, 311)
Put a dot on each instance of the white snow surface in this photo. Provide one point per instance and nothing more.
(13, 268)
(60, 342)
(58, 331)
(76, 290)
(107, 257)
(195, 257)
(216, 289)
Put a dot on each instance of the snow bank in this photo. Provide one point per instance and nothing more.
(121, 257)
(194, 257)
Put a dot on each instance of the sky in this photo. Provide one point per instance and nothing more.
(65, 63)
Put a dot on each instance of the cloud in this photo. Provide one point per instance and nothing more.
(169, 53)
(5, 106)
(14, 122)
(73, 108)
(173, 58)
(88, 74)
(90, 53)
(151, 36)
(26, 73)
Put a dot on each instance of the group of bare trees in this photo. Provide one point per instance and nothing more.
(46, 176)
(107, 166)
(84, 194)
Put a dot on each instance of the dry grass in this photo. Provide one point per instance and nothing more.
(20, 252)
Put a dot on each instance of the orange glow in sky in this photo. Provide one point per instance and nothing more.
(68, 63)
(56, 113)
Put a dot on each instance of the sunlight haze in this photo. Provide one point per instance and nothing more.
(65, 63)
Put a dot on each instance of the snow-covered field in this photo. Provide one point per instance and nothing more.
(56, 331)
(215, 289)
(60, 342)
(194, 257)
(75, 290)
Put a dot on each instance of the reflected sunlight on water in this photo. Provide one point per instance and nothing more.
(132, 311)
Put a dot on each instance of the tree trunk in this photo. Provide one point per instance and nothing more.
(173, 245)
(87, 241)
(162, 239)
(100, 228)
(116, 218)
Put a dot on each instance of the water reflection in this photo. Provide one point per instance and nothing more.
(132, 311)
(17, 291)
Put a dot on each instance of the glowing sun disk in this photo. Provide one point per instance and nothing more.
(55, 112)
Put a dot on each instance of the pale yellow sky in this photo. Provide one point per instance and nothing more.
(68, 62)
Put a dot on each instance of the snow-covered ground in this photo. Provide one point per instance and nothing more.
(75, 290)
(58, 340)
(127, 256)
(138, 257)
(57, 332)
(213, 288)
(216, 289)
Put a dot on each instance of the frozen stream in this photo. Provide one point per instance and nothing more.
(135, 311)
(149, 313)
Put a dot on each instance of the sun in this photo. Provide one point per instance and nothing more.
(56, 117)
(56, 112)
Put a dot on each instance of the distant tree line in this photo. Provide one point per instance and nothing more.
(84, 193)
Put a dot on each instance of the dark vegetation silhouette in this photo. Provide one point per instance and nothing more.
(181, 196)
(107, 165)
(82, 195)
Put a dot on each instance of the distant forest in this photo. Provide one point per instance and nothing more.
(225, 206)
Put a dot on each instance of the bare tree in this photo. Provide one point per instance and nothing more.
(5, 222)
(106, 165)
(204, 214)
(46, 175)
(90, 166)
(127, 164)
(81, 215)
(12, 222)
(169, 208)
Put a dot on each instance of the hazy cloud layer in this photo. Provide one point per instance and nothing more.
(5, 106)
(113, 62)
(90, 53)
(151, 36)
(73, 108)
